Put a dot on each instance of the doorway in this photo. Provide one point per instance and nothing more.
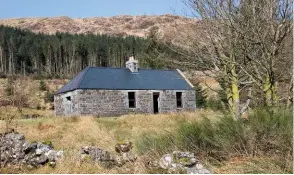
(155, 102)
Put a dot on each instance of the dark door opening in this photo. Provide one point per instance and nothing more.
(155, 102)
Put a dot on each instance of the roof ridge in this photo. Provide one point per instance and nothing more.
(107, 67)
(127, 68)
(159, 69)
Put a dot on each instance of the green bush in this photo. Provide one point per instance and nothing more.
(197, 136)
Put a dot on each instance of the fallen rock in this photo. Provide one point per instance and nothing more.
(182, 162)
(129, 157)
(42, 148)
(97, 154)
(195, 170)
(53, 155)
(16, 150)
(165, 161)
(106, 158)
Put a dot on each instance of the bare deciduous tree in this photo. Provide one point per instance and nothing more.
(245, 42)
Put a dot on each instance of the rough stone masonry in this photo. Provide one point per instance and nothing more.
(115, 102)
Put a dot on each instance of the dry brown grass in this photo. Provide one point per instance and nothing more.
(71, 133)
(246, 165)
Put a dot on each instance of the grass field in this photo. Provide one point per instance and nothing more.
(71, 133)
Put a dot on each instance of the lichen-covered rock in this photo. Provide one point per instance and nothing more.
(182, 162)
(16, 150)
(106, 158)
(129, 157)
(53, 155)
(186, 159)
(195, 170)
(42, 148)
(119, 161)
(97, 154)
(166, 161)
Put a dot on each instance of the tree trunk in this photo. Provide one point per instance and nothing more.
(235, 95)
(270, 91)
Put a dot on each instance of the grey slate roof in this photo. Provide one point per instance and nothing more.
(124, 79)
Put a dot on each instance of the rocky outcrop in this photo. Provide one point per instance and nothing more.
(182, 162)
(15, 150)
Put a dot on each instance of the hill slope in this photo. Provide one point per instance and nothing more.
(116, 25)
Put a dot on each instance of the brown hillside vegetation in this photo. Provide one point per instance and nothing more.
(116, 25)
(34, 96)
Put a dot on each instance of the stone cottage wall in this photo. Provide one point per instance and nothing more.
(115, 102)
(62, 106)
(168, 101)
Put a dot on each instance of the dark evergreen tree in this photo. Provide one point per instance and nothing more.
(64, 55)
(201, 96)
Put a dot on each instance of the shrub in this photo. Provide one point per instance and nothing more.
(218, 103)
(49, 97)
(42, 86)
(273, 130)
(200, 96)
(197, 136)
(38, 107)
(9, 89)
(3, 75)
(5, 102)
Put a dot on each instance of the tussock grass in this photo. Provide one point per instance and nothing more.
(267, 134)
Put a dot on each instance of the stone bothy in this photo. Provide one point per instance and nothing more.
(101, 91)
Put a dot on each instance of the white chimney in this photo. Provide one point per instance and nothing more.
(132, 64)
